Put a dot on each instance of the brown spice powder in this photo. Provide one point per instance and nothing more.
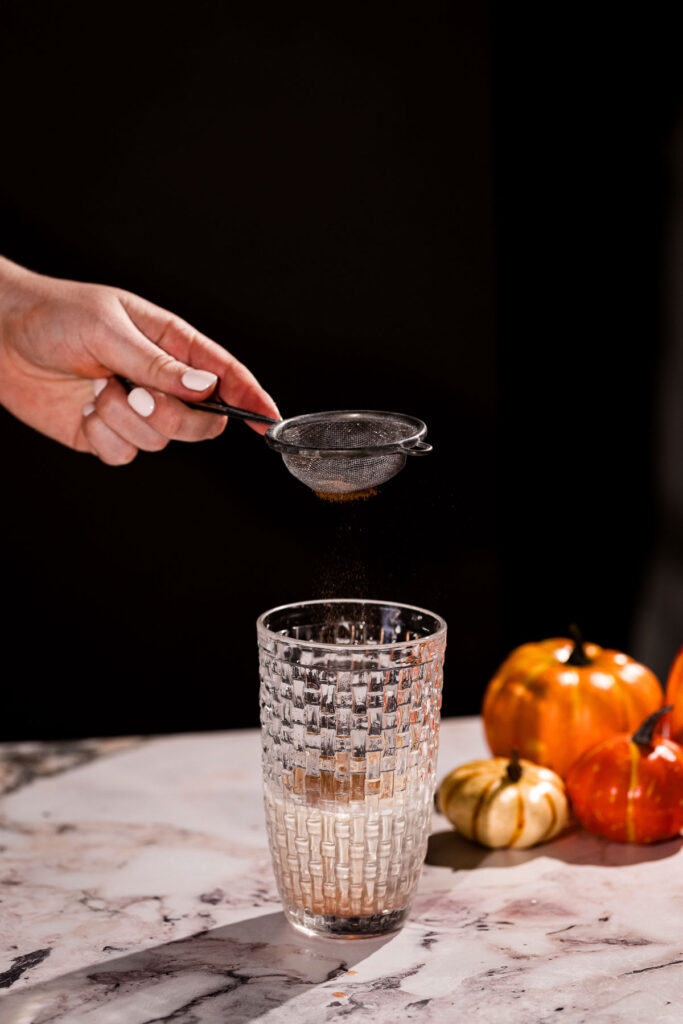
(369, 492)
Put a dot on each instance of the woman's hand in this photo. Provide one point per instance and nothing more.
(62, 342)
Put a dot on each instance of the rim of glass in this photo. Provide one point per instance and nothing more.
(441, 629)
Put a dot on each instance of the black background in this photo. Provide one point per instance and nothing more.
(452, 210)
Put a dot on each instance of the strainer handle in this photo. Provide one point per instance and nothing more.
(216, 404)
(417, 448)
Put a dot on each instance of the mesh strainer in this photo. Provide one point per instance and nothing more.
(347, 451)
(339, 452)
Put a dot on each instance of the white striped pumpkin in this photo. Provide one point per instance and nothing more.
(502, 802)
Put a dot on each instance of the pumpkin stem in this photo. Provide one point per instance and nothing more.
(514, 769)
(645, 734)
(578, 655)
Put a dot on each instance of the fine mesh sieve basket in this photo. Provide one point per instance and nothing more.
(347, 451)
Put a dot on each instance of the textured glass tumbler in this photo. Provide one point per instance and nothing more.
(350, 705)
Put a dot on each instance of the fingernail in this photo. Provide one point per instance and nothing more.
(199, 380)
(88, 409)
(99, 385)
(141, 401)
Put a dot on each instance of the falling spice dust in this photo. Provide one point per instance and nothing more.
(342, 569)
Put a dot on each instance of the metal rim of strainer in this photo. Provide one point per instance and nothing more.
(411, 444)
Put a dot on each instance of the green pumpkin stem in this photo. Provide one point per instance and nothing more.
(645, 734)
(578, 655)
(514, 769)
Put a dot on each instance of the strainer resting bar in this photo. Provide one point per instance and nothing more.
(347, 451)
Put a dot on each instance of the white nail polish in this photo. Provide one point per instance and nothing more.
(88, 409)
(141, 401)
(99, 385)
(199, 380)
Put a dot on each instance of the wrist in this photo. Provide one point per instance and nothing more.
(13, 278)
(15, 287)
(15, 290)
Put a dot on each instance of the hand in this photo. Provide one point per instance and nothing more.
(62, 342)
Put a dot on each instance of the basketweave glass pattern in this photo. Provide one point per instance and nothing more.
(350, 705)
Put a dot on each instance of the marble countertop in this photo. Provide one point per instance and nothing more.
(136, 888)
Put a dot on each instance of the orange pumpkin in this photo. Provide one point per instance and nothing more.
(674, 696)
(554, 699)
(630, 788)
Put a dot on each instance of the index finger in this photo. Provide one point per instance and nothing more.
(237, 384)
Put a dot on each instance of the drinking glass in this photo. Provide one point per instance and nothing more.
(350, 703)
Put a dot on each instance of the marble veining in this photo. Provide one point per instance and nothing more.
(136, 887)
(21, 763)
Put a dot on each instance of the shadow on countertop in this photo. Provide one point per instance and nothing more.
(576, 846)
(238, 972)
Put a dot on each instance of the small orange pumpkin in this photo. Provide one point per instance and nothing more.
(630, 788)
(554, 699)
(674, 696)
